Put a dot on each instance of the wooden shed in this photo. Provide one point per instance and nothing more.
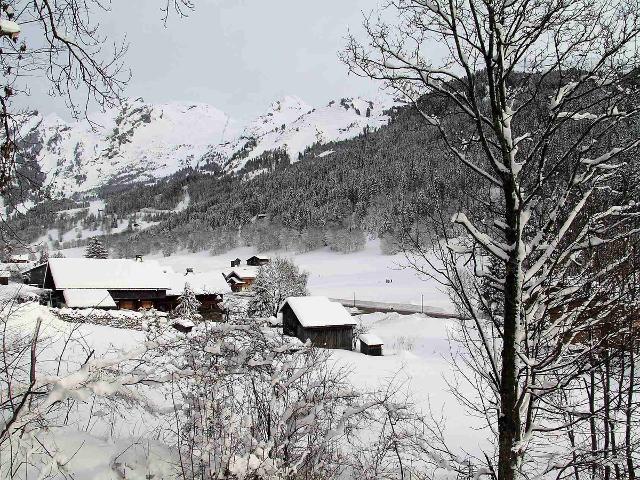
(371, 345)
(326, 324)
(257, 261)
(4, 277)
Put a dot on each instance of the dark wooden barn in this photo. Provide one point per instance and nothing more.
(257, 261)
(102, 283)
(370, 345)
(324, 323)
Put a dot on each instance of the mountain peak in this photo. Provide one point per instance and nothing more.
(140, 141)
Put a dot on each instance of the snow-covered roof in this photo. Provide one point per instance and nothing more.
(183, 322)
(5, 273)
(110, 273)
(260, 257)
(201, 283)
(88, 298)
(370, 339)
(23, 257)
(243, 272)
(317, 311)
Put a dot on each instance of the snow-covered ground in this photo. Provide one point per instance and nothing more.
(415, 361)
(337, 275)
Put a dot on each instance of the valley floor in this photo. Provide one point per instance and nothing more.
(362, 274)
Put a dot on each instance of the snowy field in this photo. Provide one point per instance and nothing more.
(333, 274)
(415, 363)
(338, 275)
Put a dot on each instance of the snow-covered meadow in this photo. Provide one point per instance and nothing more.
(97, 445)
(336, 275)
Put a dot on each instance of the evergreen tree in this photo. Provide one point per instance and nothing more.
(95, 249)
(44, 255)
(188, 304)
(276, 281)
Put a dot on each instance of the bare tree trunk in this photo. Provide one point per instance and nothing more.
(629, 406)
(509, 421)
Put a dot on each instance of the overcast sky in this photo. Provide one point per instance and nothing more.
(238, 55)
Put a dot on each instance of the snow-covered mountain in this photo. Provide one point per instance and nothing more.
(142, 142)
(136, 142)
(293, 125)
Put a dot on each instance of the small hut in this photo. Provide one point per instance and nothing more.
(235, 263)
(371, 345)
(326, 324)
(4, 277)
(258, 260)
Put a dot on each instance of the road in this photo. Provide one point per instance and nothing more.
(402, 308)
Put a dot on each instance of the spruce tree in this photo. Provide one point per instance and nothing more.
(188, 304)
(95, 249)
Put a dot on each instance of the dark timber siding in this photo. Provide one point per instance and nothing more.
(35, 276)
(373, 350)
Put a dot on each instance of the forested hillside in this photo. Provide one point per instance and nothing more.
(336, 195)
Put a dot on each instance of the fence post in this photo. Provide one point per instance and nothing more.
(422, 303)
(354, 299)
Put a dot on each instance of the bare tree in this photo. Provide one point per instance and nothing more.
(537, 102)
(62, 42)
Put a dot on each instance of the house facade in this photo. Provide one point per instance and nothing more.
(241, 278)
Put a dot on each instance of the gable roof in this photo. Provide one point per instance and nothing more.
(371, 339)
(201, 283)
(242, 272)
(88, 298)
(315, 312)
(110, 273)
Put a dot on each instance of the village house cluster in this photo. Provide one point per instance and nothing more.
(134, 284)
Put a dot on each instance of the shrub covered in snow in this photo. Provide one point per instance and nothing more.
(276, 281)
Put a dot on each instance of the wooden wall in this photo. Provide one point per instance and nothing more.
(337, 337)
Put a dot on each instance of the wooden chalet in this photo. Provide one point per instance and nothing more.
(240, 279)
(370, 344)
(124, 284)
(326, 324)
(257, 261)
